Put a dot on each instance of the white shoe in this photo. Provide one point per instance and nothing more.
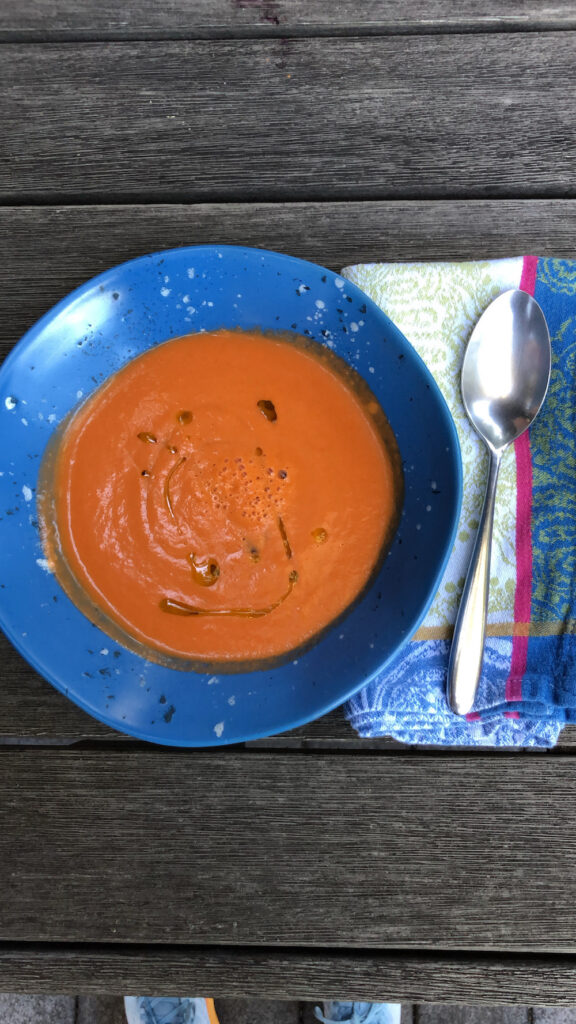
(169, 1010)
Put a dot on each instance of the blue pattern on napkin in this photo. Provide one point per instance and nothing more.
(408, 702)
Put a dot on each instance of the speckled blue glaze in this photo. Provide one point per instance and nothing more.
(92, 333)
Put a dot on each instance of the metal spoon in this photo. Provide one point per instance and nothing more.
(505, 377)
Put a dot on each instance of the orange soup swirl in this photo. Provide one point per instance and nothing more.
(221, 499)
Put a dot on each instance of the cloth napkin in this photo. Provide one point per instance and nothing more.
(527, 690)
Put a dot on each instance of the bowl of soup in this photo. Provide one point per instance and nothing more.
(238, 487)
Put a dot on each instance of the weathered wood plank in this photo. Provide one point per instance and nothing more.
(481, 980)
(81, 19)
(288, 849)
(403, 117)
(48, 251)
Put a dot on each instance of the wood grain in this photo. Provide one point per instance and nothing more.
(288, 849)
(446, 116)
(48, 251)
(82, 19)
(478, 979)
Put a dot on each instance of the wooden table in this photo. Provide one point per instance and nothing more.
(311, 865)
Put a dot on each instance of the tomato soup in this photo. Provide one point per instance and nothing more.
(221, 499)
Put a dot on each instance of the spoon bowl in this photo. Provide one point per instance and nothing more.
(506, 368)
(505, 376)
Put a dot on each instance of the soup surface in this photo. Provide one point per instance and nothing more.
(221, 499)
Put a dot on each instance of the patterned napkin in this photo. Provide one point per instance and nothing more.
(528, 687)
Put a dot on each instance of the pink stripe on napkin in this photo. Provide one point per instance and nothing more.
(523, 595)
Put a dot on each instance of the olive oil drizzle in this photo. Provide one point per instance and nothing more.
(167, 496)
(268, 409)
(175, 607)
(284, 535)
(204, 572)
(320, 535)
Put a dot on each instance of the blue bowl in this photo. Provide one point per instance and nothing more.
(87, 337)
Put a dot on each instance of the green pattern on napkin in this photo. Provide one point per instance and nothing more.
(436, 306)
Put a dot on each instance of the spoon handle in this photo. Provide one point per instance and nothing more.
(467, 650)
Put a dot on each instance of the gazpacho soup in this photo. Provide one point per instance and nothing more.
(222, 499)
